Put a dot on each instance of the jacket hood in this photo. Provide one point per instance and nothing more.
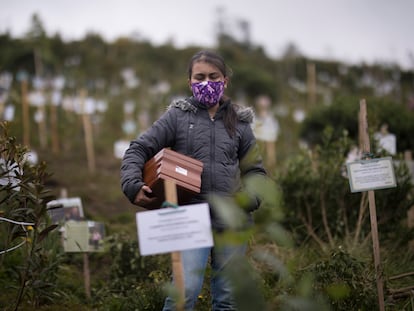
(244, 114)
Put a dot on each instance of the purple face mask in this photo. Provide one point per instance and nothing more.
(208, 92)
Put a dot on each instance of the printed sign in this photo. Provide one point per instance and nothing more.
(83, 236)
(65, 209)
(120, 146)
(174, 229)
(371, 174)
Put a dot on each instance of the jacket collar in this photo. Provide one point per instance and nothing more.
(245, 114)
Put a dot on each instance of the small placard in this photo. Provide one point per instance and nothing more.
(83, 236)
(120, 146)
(65, 209)
(174, 229)
(181, 170)
(371, 174)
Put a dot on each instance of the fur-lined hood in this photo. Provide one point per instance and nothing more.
(245, 114)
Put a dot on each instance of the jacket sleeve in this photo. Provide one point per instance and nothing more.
(251, 162)
(160, 135)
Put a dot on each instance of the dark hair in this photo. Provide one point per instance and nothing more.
(213, 58)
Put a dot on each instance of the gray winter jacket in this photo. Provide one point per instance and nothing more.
(186, 127)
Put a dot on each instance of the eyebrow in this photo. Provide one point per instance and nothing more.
(198, 74)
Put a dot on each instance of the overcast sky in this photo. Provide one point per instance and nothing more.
(347, 30)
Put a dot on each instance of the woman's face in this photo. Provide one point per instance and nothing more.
(203, 71)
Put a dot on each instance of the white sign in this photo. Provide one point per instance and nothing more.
(9, 113)
(266, 128)
(129, 127)
(120, 146)
(31, 157)
(174, 229)
(36, 99)
(11, 174)
(65, 209)
(387, 142)
(58, 83)
(56, 97)
(83, 236)
(371, 174)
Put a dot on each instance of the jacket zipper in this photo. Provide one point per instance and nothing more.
(212, 153)
(190, 136)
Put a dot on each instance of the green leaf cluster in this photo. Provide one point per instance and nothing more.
(29, 262)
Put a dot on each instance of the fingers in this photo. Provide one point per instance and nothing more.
(146, 188)
(144, 197)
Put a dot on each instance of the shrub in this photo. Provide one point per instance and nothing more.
(319, 204)
(135, 282)
(29, 259)
(348, 282)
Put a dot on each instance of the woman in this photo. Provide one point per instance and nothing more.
(211, 129)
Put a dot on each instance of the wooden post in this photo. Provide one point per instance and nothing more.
(42, 126)
(408, 157)
(86, 275)
(25, 114)
(366, 149)
(87, 128)
(86, 271)
(2, 104)
(54, 128)
(311, 81)
(177, 265)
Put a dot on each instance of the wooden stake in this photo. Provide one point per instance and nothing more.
(2, 104)
(87, 128)
(54, 128)
(311, 73)
(86, 270)
(366, 149)
(25, 114)
(86, 275)
(42, 127)
(177, 265)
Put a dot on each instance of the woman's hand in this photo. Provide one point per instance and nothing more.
(144, 197)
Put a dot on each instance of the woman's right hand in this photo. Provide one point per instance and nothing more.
(144, 197)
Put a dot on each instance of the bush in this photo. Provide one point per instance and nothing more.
(319, 204)
(135, 282)
(342, 116)
(348, 282)
(29, 258)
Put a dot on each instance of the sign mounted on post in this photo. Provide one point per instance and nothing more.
(174, 229)
(371, 174)
(83, 236)
(65, 209)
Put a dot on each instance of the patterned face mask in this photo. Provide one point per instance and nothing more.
(208, 92)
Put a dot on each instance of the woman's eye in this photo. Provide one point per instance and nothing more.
(202, 77)
(214, 77)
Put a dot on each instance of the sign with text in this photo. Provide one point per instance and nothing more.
(174, 229)
(371, 174)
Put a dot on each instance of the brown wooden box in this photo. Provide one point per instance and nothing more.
(183, 170)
